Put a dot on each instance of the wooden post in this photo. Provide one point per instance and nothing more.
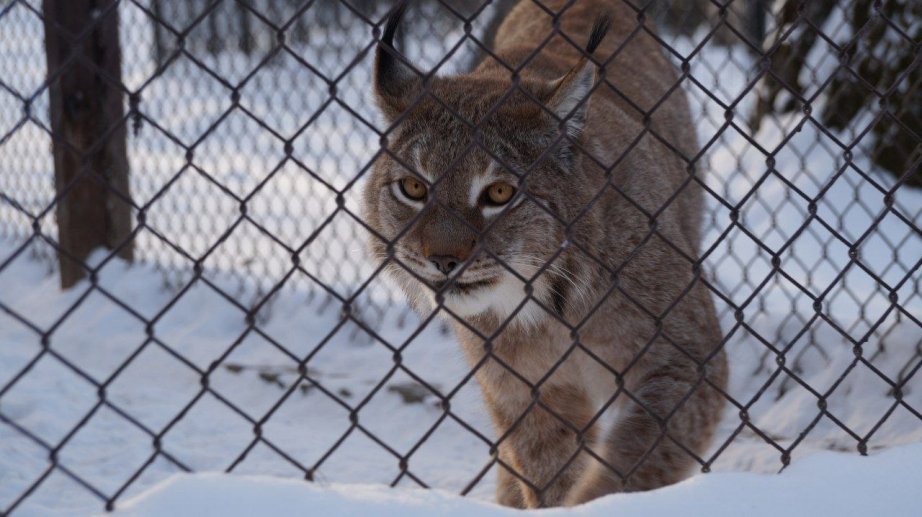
(88, 131)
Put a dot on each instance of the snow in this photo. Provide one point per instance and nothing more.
(824, 484)
(149, 342)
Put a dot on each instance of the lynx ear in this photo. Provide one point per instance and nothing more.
(395, 80)
(569, 99)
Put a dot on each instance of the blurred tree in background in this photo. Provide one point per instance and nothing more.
(879, 73)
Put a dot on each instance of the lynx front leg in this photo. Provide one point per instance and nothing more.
(508, 491)
(540, 447)
(637, 445)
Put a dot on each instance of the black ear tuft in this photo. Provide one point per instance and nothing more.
(390, 70)
(394, 78)
(599, 30)
(393, 22)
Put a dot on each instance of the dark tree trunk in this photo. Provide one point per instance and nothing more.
(88, 131)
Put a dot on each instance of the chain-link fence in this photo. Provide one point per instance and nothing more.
(256, 331)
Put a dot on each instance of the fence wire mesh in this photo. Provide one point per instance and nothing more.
(256, 333)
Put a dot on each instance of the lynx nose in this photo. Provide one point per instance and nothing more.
(444, 263)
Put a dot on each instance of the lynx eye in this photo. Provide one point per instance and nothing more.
(413, 188)
(499, 193)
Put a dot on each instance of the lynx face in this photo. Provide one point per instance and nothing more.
(473, 218)
(473, 190)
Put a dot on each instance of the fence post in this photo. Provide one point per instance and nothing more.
(88, 128)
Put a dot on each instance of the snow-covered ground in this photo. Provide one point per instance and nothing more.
(100, 335)
(825, 484)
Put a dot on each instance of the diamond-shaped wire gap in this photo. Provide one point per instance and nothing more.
(786, 317)
(891, 249)
(49, 400)
(265, 460)
(719, 70)
(177, 214)
(106, 451)
(158, 470)
(30, 291)
(824, 57)
(819, 356)
(448, 26)
(98, 336)
(284, 94)
(154, 159)
(312, 421)
(909, 296)
(19, 350)
(717, 231)
(337, 34)
(249, 263)
(24, 48)
(809, 161)
(450, 458)
(281, 14)
(789, 422)
(22, 462)
(344, 361)
(154, 387)
(401, 413)
(710, 123)
(344, 373)
(301, 319)
(892, 346)
(27, 176)
(857, 303)
(852, 206)
(291, 206)
(192, 438)
(353, 94)
(891, 145)
(239, 153)
(906, 204)
(201, 324)
(185, 100)
(735, 445)
(430, 367)
(11, 112)
(774, 213)
(357, 458)
(335, 147)
(336, 256)
(171, 269)
(813, 258)
(380, 306)
(815, 74)
(215, 47)
(884, 55)
(255, 374)
(138, 45)
(741, 266)
(58, 491)
(14, 221)
(735, 166)
(861, 404)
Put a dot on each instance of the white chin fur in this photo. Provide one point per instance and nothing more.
(501, 299)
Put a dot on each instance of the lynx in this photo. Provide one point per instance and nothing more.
(548, 205)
